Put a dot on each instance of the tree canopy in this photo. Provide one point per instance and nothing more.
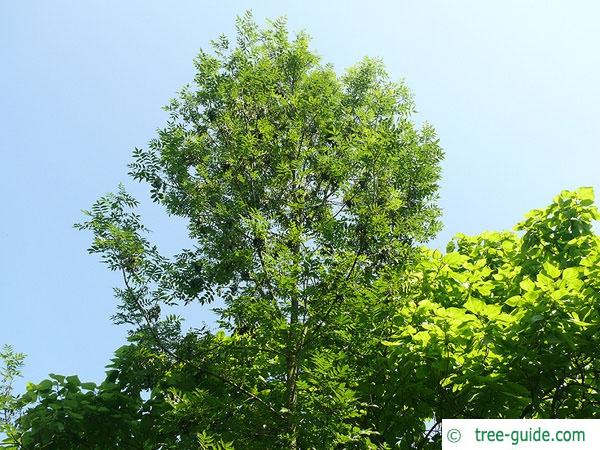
(299, 187)
(503, 325)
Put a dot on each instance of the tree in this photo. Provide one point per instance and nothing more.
(10, 404)
(504, 325)
(300, 188)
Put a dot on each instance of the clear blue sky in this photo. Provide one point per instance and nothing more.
(511, 86)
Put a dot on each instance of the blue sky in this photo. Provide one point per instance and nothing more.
(511, 86)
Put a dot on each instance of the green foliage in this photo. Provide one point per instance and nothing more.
(505, 325)
(73, 415)
(299, 186)
(65, 413)
(10, 404)
(208, 443)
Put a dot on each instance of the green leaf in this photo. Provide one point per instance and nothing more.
(551, 270)
(586, 194)
(475, 306)
(514, 300)
(570, 273)
(73, 380)
(58, 378)
(455, 259)
(45, 385)
(527, 285)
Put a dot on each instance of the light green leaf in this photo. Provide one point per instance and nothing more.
(514, 300)
(551, 270)
(527, 285)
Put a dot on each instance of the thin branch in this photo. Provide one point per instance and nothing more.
(207, 372)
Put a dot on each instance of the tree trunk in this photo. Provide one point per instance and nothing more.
(292, 374)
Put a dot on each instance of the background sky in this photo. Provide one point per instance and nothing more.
(512, 88)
